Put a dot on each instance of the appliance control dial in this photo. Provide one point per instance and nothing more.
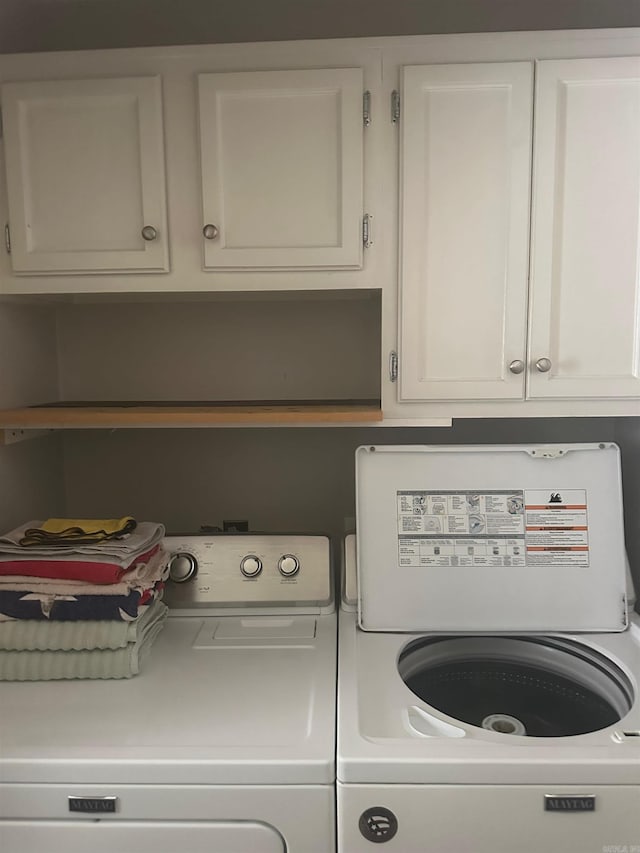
(289, 565)
(182, 567)
(251, 566)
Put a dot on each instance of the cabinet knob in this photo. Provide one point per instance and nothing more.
(543, 365)
(210, 232)
(516, 366)
(149, 233)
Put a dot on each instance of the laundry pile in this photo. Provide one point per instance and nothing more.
(80, 598)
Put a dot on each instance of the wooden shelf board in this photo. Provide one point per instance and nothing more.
(81, 415)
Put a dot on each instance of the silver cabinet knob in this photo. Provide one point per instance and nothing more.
(543, 365)
(149, 233)
(516, 366)
(210, 232)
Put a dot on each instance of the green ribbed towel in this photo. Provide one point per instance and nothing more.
(43, 635)
(86, 663)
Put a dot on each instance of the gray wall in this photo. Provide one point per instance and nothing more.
(37, 25)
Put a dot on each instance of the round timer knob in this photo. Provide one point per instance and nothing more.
(289, 565)
(182, 567)
(251, 566)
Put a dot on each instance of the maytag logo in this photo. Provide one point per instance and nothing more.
(553, 803)
(93, 805)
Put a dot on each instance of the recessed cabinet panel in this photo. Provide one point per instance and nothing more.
(85, 175)
(282, 168)
(464, 230)
(585, 310)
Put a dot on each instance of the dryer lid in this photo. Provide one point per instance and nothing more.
(514, 538)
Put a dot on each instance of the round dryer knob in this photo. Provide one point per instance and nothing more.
(251, 566)
(289, 565)
(182, 567)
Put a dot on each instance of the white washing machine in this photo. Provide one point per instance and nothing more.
(225, 743)
(489, 664)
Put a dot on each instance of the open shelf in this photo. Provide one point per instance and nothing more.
(113, 415)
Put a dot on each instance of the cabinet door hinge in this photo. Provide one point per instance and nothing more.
(367, 239)
(395, 107)
(7, 238)
(393, 365)
(1, 126)
(366, 108)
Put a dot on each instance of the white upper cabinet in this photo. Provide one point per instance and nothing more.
(464, 230)
(282, 168)
(86, 175)
(585, 271)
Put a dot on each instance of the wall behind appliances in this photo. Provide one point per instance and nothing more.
(31, 475)
(38, 25)
(271, 346)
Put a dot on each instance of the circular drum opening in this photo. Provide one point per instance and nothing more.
(533, 686)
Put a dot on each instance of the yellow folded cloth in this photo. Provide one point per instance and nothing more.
(65, 531)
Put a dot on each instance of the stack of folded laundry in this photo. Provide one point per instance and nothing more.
(80, 598)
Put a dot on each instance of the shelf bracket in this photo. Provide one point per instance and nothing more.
(13, 436)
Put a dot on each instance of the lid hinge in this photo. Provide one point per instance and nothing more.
(395, 107)
(367, 240)
(366, 108)
(393, 365)
(7, 238)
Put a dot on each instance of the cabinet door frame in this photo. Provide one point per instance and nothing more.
(149, 255)
(556, 247)
(515, 79)
(346, 85)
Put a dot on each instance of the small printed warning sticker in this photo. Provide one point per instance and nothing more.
(557, 527)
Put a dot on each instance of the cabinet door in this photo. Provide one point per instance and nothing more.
(585, 274)
(465, 188)
(85, 175)
(282, 168)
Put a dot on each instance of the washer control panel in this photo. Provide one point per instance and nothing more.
(238, 569)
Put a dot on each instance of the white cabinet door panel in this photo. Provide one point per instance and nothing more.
(585, 273)
(282, 168)
(465, 190)
(85, 174)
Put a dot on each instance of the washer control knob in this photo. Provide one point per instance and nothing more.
(182, 567)
(288, 565)
(251, 566)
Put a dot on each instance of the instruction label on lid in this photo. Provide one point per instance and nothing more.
(492, 528)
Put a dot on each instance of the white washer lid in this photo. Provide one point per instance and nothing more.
(490, 538)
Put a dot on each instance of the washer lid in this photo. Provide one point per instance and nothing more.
(490, 538)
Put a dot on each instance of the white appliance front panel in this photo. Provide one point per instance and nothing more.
(18, 836)
(490, 818)
(302, 816)
(490, 538)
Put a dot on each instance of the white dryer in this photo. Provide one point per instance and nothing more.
(224, 743)
(489, 664)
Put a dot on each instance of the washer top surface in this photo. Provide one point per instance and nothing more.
(245, 698)
(487, 538)
(451, 708)
(388, 732)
